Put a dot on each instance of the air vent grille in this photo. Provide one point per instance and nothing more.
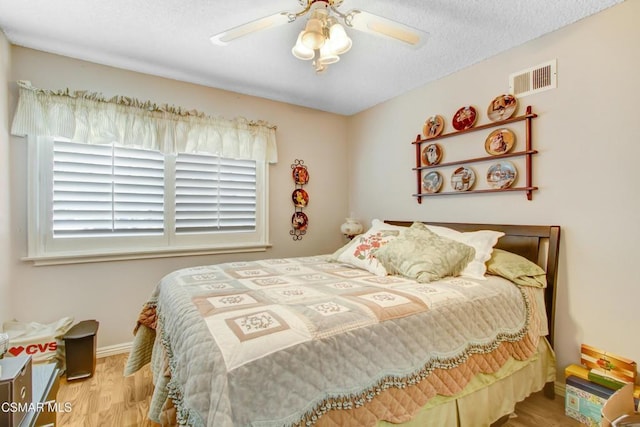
(535, 79)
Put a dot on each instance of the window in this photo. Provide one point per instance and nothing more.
(105, 201)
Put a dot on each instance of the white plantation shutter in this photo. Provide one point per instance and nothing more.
(103, 190)
(214, 194)
(91, 202)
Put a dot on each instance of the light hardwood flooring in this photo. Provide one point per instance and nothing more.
(109, 399)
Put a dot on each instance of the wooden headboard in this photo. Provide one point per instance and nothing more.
(537, 243)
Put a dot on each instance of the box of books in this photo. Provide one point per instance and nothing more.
(587, 374)
(584, 400)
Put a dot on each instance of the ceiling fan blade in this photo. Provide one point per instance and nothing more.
(223, 38)
(374, 24)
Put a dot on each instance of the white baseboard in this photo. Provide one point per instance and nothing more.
(560, 388)
(112, 350)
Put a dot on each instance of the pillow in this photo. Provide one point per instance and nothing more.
(424, 256)
(516, 268)
(482, 241)
(359, 252)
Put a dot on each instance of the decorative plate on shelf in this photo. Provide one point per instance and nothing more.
(464, 118)
(299, 221)
(462, 179)
(500, 141)
(501, 175)
(432, 182)
(502, 107)
(300, 198)
(300, 175)
(431, 154)
(433, 127)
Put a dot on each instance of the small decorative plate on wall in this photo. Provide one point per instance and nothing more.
(462, 179)
(433, 127)
(431, 154)
(300, 175)
(300, 198)
(299, 221)
(502, 107)
(464, 118)
(432, 182)
(500, 141)
(501, 175)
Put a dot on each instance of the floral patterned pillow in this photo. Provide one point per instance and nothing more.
(359, 252)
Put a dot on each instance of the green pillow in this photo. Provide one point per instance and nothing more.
(516, 268)
(422, 255)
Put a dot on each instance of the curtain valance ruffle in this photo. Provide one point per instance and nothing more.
(90, 118)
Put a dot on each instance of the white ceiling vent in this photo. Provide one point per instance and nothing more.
(535, 79)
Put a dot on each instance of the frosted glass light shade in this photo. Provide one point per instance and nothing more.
(327, 55)
(351, 227)
(340, 42)
(312, 37)
(300, 51)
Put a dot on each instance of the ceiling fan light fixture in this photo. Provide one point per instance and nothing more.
(328, 55)
(340, 42)
(324, 37)
(313, 35)
(301, 51)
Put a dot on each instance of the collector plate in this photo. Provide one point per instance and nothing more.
(431, 154)
(300, 198)
(501, 175)
(462, 179)
(433, 127)
(300, 175)
(432, 182)
(464, 118)
(502, 107)
(299, 221)
(500, 141)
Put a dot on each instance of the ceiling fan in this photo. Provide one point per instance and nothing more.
(323, 39)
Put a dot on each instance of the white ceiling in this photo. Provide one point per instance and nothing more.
(170, 38)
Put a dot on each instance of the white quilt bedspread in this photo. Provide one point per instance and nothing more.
(244, 337)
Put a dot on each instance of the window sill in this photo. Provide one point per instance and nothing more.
(85, 257)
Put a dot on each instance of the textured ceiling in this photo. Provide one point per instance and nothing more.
(170, 38)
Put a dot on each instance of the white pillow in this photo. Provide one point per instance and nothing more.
(359, 252)
(482, 241)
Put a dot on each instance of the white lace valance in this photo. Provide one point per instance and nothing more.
(90, 118)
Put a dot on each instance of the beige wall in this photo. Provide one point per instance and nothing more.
(587, 135)
(112, 292)
(5, 211)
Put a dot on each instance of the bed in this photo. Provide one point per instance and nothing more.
(328, 342)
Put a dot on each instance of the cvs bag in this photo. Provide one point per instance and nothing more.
(41, 342)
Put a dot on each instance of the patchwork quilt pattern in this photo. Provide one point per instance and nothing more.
(240, 338)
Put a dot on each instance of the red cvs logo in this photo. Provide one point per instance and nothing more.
(32, 349)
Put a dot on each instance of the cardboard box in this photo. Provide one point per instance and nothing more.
(619, 410)
(610, 364)
(584, 400)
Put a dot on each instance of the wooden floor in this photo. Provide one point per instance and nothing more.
(110, 399)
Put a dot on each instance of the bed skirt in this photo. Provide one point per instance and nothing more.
(488, 397)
